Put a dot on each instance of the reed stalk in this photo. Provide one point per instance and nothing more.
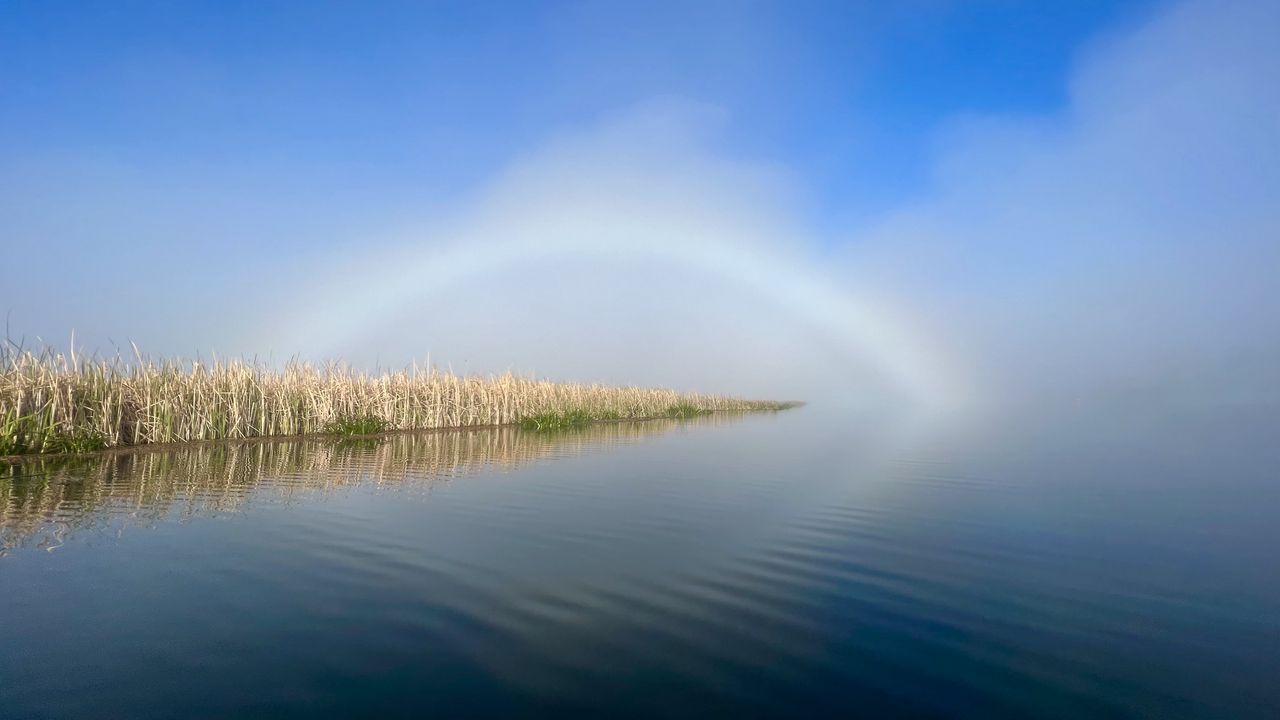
(55, 403)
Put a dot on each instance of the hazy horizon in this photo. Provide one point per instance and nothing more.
(836, 202)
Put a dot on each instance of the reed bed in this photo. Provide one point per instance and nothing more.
(56, 403)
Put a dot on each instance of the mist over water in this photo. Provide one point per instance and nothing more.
(1058, 566)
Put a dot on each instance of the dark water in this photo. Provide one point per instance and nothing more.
(1101, 564)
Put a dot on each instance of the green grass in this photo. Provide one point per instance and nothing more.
(357, 425)
(568, 419)
(552, 421)
(76, 441)
(685, 410)
(35, 433)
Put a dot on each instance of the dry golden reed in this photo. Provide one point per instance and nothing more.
(50, 402)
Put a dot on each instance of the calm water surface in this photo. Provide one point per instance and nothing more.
(1101, 564)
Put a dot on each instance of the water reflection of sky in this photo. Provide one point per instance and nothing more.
(1080, 564)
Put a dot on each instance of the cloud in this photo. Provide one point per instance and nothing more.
(632, 251)
(1122, 246)
(1125, 244)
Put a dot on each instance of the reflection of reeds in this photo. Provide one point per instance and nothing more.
(44, 500)
(54, 403)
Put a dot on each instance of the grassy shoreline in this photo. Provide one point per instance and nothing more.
(56, 404)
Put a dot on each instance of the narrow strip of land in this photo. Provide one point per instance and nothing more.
(52, 403)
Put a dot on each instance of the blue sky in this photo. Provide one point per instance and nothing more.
(391, 101)
(742, 197)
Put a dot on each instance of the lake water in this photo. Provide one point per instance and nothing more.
(1097, 564)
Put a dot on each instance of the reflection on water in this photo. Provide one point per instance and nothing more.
(44, 500)
(819, 563)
